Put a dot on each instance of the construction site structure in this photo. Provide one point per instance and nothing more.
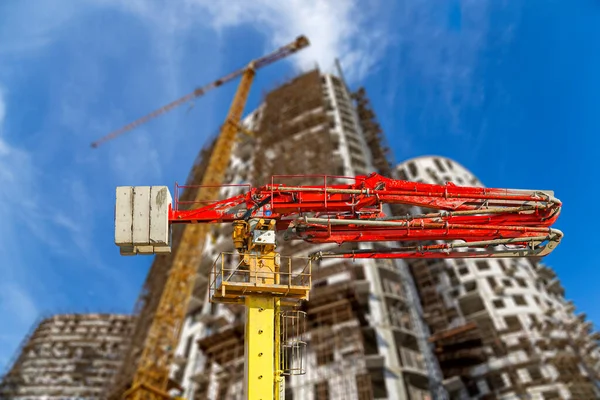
(68, 356)
(294, 129)
(308, 125)
(501, 328)
(145, 371)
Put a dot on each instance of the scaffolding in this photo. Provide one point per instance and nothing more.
(223, 370)
(69, 355)
(337, 357)
(571, 348)
(382, 154)
(294, 131)
(475, 341)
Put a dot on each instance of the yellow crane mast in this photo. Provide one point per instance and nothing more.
(152, 373)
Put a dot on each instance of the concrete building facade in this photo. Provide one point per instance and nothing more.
(68, 356)
(365, 340)
(501, 327)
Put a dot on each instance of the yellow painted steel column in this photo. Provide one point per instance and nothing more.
(260, 347)
(277, 351)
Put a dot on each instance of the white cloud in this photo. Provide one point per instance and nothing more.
(17, 171)
(335, 29)
(343, 29)
(443, 56)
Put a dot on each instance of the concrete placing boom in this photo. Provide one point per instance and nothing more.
(466, 221)
(152, 371)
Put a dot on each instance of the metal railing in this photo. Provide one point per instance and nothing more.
(179, 204)
(293, 273)
(317, 181)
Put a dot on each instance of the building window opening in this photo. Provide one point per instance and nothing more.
(470, 286)
(519, 300)
(507, 282)
(534, 373)
(503, 265)
(499, 303)
(378, 382)
(412, 168)
(512, 323)
(324, 354)
(402, 175)
(364, 388)
(534, 319)
(473, 388)
(495, 382)
(482, 265)
(370, 341)
(322, 391)
(439, 165)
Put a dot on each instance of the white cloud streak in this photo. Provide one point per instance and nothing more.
(341, 29)
(440, 63)
(336, 29)
(17, 307)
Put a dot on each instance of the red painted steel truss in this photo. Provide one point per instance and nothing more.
(459, 222)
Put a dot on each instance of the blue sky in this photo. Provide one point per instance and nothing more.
(508, 89)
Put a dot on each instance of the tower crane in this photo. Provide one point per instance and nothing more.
(152, 371)
(464, 222)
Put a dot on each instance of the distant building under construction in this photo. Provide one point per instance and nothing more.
(69, 356)
(501, 328)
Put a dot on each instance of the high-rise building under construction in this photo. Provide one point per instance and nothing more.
(364, 337)
(501, 327)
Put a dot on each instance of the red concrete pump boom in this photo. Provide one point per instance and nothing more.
(472, 221)
(457, 222)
